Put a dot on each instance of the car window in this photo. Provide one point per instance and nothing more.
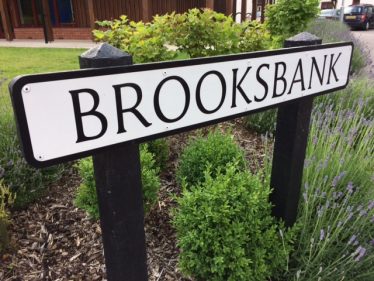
(353, 10)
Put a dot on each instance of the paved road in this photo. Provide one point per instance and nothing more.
(367, 37)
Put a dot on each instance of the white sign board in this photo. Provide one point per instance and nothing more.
(72, 114)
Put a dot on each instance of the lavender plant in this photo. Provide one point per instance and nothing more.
(336, 216)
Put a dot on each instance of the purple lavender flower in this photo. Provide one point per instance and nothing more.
(350, 215)
(321, 235)
(371, 205)
(350, 187)
(372, 219)
(305, 197)
(352, 239)
(338, 178)
(363, 213)
(327, 204)
(361, 252)
(372, 242)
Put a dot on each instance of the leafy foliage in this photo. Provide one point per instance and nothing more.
(86, 197)
(225, 230)
(146, 42)
(192, 34)
(6, 200)
(160, 149)
(215, 150)
(286, 18)
(209, 33)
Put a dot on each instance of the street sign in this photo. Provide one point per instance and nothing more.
(69, 115)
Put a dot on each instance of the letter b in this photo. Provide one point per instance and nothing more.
(78, 114)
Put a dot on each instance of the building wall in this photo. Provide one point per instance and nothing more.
(59, 33)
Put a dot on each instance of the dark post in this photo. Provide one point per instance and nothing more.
(290, 146)
(118, 184)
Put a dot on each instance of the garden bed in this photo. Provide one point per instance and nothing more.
(54, 240)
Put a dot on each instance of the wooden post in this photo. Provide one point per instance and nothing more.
(229, 7)
(47, 23)
(146, 10)
(263, 4)
(209, 4)
(119, 191)
(91, 13)
(5, 20)
(290, 146)
(254, 9)
(244, 10)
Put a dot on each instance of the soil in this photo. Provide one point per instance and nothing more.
(54, 240)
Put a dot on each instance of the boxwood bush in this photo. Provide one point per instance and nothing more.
(215, 150)
(86, 197)
(160, 149)
(225, 230)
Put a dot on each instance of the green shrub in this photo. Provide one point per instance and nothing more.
(192, 34)
(86, 197)
(28, 183)
(336, 214)
(335, 31)
(215, 150)
(225, 230)
(146, 42)
(287, 18)
(160, 149)
(150, 179)
(262, 122)
(208, 33)
(6, 200)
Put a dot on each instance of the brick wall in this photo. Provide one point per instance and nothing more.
(29, 33)
(72, 33)
(59, 33)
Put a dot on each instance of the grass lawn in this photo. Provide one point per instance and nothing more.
(20, 61)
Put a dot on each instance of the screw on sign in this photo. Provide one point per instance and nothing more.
(106, 109)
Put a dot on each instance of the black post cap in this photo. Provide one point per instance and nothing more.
(302, 39)
(104, 55)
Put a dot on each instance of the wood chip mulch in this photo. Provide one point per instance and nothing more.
(54, 240)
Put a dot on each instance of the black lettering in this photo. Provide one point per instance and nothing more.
(78, 114)
(299, 69)
(277, 78)
(198, 92)
(238, 86)
(315, 66)
(262, 82)
(133, 110)
(156, 99)
(332, 69)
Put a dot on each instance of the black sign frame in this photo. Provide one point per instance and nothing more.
(19, 82)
